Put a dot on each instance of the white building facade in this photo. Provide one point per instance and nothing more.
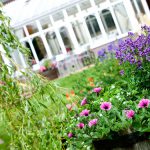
(57, 29)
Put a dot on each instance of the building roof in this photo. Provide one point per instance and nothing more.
(24, 11)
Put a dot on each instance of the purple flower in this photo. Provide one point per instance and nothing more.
(101, 52)
(85, 112)
(130, 34)
(92, 122)
(80, 125)
(111, 47)
(83, 102)
(97, 90)
(121, 72)
(70, 135)
(129, 114)
(144, 103)
(106, 106)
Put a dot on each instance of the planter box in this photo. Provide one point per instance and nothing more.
(50, 74)
(133, 141)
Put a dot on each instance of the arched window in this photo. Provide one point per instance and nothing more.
(66, 39)
(107, 20)
(39, 47)
(122, 17)
(53, 43)
(138, 9)
(93, 26)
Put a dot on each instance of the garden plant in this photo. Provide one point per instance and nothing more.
(116, 115)
(106, 101)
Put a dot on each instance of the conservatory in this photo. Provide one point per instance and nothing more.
(59, 30)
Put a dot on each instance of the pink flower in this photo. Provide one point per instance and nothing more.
(85, 112)
(144, 103)
(97, 90)
(69, 106)
(83, 102)
(70, 135)
(42, 69)
(80, 125)
(92, 122)
(106, 106)
(129, 114)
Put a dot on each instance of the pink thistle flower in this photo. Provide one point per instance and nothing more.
(80, 125)
(129, 114)
(42, 69)
(85, 112)
(97, 90)
(92, 122)
(83, 102)
(70, 135)
(144, 103)
(106, 106)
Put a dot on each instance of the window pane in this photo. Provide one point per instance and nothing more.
(31, 58)
(122, 18)
(53, 43)
(16, 56)
(39, 48)
(133, 5)
(108, 21)
(72, 10)
(66, 39)
(93, 26)
(85, 5)
(32, 28)
(20, 33)
(140, 5)
(58, 16)
(45, 22)
(138, 9)
(79, 32)
(97, 2)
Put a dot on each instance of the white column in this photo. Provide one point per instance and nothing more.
(31, 45)
(98, 19)
(61, 43)
(71, 32)
(44, 39)
(146, 8)
(131, 14)
(82, 19)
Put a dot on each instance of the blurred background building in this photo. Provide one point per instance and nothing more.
(59, 29)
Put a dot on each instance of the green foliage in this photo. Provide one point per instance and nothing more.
(47, 64)
(125, 91)
(32, 108)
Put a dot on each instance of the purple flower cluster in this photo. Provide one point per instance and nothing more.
(101, 52)
(135, 49)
